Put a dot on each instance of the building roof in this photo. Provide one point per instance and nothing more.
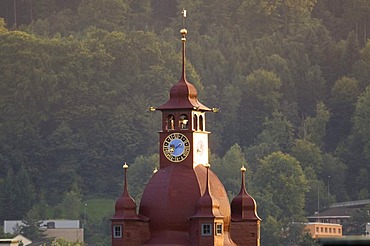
(17, 239)
(170, 199)
(183, 95)
(207, 206)
(333, 213)
(243, 206)
(10, 225)
(125, 207)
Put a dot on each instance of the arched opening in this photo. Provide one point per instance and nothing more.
(201, 123)
(195, 122)
(183, 122)
(170, 122)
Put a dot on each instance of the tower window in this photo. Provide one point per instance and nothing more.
(117, 231)
(183, 122)
(201, 124)
(170, 122)
(206, 230)
(218, 229)
(195, 122)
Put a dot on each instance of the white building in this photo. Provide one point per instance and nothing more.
(68, 230)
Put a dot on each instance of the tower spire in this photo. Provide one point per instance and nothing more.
(183, 32)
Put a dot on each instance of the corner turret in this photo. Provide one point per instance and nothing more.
(245, 223)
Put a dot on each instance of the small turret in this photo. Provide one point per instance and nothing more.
(127, 226)
(207, 225)
(245, 223)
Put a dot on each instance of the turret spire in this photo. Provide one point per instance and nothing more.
(243, 206)
(243, 169)
(125, 190)
(125, 207)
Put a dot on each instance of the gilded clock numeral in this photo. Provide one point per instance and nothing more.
(176, 147)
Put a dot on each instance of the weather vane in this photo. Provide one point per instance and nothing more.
(183, 17)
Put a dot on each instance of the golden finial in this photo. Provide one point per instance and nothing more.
(243, 169)
(125, 166)
(183, 31)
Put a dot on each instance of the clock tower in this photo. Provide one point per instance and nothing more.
(184, 202)
(183, 138)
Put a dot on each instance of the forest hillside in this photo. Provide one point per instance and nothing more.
(291, 79)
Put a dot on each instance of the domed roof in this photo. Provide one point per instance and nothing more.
(208, 206)
(243, 206)
(171, 198)
(125, 207)
(183, 94)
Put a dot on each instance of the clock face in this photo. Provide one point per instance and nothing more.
(200, 147)
(176, 147)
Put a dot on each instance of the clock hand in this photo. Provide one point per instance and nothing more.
(179, 145)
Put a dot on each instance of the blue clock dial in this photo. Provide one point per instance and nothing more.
(176, 147)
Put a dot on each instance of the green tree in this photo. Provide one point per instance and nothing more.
(344, 95)
(358, 220)
(308, 154)
(314, 128)
(139, 173)
(63, 242)
(361, 67)
(272, 232)
(8, 197)
(307, 240)
(24, 191)
(281, 175)
(2, 25)
(350, 54)
(361, 121)
(228, 118)
(111, 14)
(260, 97)
(71, 204)
(277, 135)
(228, 167)
(31, 228)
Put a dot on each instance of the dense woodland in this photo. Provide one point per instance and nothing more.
(291, 79)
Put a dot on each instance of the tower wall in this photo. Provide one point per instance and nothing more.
(246, 233)
(196, 237)
(134, 233)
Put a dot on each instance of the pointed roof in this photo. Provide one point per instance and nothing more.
(183, 95)
(243, 206)
(208, 206)
(125, 207)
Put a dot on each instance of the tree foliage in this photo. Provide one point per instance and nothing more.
(291, 79)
